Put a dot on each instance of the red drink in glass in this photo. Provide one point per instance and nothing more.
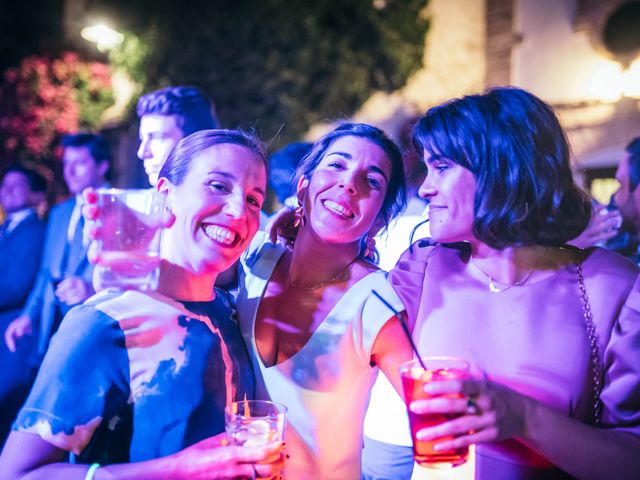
(414, 378)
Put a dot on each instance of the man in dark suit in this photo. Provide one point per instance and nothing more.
(65, 275)
(627, 200)
(21, 242)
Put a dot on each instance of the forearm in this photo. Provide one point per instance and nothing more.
(581, 450)
(28, 457)
(151, 470)
(158, 469)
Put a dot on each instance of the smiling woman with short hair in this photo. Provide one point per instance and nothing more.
(154, 370)
(554, 330)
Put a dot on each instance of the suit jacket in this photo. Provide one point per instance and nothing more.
(42, 304)
(20, 253)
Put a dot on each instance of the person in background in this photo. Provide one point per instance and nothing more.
(65, 275)
(170, 360)
(282, 168)
(21, 241)
(412, 223)
(627, 201)
(553, 330)
(604, 225)
(166, 117)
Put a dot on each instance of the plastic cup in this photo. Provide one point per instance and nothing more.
(129, 245)
(414, 378)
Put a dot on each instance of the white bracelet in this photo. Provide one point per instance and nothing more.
(92, 471)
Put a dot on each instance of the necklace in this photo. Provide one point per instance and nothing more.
(493, 288)
(335, 278)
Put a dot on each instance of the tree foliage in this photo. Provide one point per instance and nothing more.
(279, 64)
(44, 98)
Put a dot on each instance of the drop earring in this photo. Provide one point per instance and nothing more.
(369, 247)
(298, 216)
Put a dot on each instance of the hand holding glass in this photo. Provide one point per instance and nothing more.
(255, 423)
(414, 378)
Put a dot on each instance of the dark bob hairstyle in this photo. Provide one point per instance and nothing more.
(177, 165)
(395, 199)
(516, 149)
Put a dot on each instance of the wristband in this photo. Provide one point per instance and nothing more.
(92, 471)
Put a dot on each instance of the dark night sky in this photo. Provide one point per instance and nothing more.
(29, 27)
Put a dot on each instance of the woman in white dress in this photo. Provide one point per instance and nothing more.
(314, 327)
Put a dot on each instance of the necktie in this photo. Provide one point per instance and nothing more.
(75, 249)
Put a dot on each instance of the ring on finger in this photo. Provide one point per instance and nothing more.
(472, 407)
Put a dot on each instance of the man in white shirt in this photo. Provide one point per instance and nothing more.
(166, 117)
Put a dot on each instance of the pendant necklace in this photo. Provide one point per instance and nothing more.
(493, 287)
(335, 278)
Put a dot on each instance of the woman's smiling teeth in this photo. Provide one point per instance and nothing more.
(338, 209)
(220, 234)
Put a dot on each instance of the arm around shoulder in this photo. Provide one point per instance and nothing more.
(408, 277)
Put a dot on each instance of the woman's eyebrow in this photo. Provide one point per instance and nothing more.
(342, 154)
(348, 156)
(231, 176)
(435, 158)
(378, 170)
(222, 173)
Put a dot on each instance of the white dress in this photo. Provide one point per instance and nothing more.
(326, 384)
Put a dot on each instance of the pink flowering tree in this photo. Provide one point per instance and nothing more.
(45, 98)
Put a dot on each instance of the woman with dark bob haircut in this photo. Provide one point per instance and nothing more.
(525, 194)
(552, 331)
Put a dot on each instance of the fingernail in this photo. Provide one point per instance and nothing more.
(91, 196)
(437, 447)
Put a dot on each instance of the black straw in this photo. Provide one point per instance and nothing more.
(404, 327)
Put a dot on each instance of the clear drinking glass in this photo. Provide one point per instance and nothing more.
(129, 245)
(254, 422)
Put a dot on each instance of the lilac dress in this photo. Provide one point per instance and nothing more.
(531, 338)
